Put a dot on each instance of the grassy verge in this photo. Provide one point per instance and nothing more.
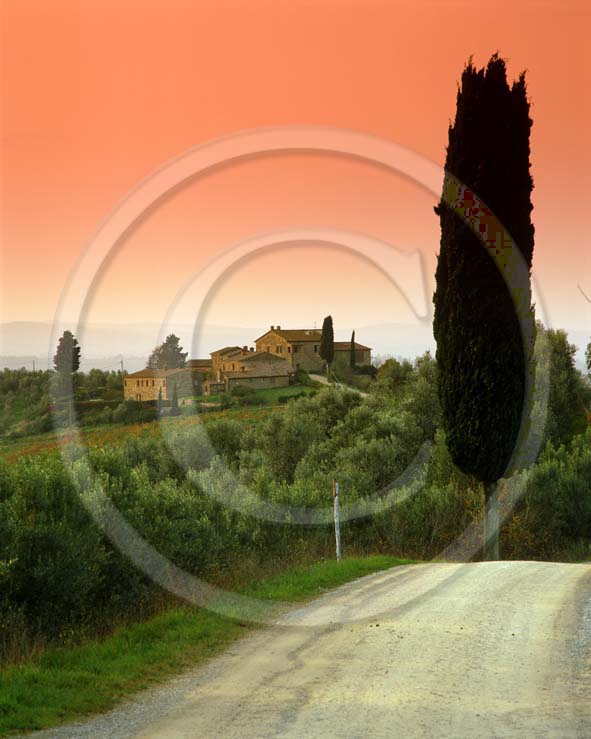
(67, 683)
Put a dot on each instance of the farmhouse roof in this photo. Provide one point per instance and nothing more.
(226, 350)
(262, 357)
(266, 371)
(198, 363)
(340, 345)
(295, 334)
(150, 373)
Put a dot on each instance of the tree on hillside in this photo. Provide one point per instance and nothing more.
(66, 359)
(169, 355)
(352, 351)
(480, 353)
(174, 403)
(588, 351)
(327, 341)
(566, 387)
(394, 375)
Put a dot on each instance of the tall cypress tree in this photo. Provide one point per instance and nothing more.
(480, 352)
(66, 359)
(352, 352)
(174, 401)
(327, 341)
(66, 362)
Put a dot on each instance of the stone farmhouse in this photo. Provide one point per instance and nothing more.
(301, 348)
(234, 366)
(147, 383)
(272, 362)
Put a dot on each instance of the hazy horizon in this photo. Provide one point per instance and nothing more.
(29, 340)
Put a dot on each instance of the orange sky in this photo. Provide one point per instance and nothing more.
(97, 95)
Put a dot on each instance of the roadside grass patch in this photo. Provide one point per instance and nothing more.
(66, 683)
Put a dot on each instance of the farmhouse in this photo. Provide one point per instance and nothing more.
(249, 368)
(148, 383)
(301, 348)
(220, 355)
(342, 353)
(272, 362)
(145, 384)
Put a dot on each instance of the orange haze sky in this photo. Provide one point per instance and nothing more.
(97, 95)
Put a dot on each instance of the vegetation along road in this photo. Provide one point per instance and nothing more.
(492, 649)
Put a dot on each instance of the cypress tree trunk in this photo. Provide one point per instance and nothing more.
(491, 521)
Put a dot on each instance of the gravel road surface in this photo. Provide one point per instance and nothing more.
(496, 649)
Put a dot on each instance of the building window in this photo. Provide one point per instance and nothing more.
(268, 348)
(138, 383)
(152, 383)
(315, 348)
(163, 383)
(289, 349)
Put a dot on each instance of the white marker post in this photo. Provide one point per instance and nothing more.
(337, 530)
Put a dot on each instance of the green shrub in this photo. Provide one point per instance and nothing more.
(286, 398)
(226, 437)
(243, 391)
(555, 511)
(52, 544)
(303, 378)
(130, 411)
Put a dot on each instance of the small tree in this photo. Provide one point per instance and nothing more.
(169, 355)
(588, 358)
(352, 351)
(327, 342)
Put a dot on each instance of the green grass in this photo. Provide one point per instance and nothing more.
(67, 683)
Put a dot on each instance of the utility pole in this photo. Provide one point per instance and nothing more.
(337, 528)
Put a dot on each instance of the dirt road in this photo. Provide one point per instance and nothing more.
(500, 649)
